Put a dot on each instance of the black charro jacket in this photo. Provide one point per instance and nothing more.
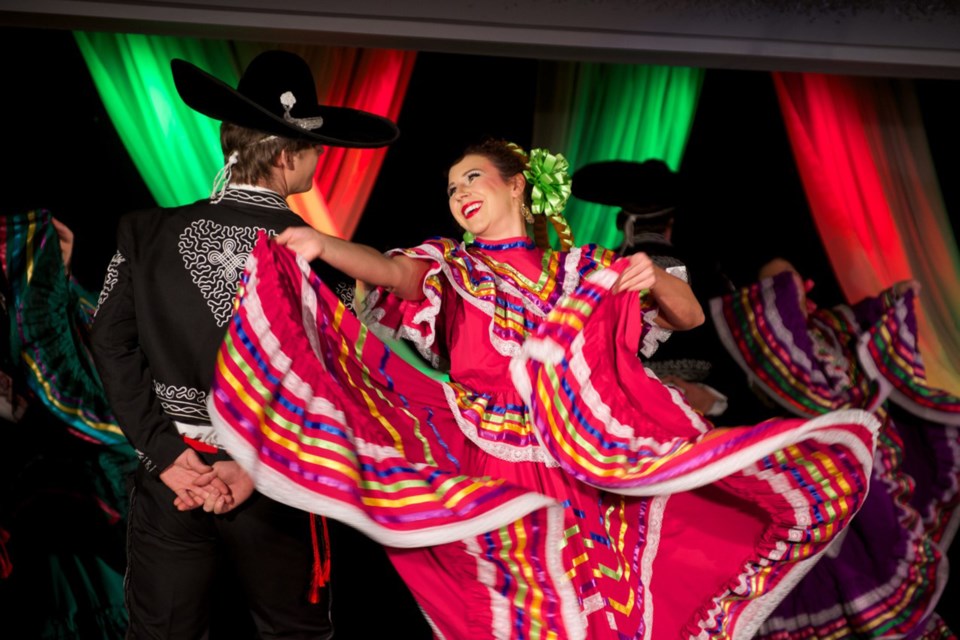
(163, 312)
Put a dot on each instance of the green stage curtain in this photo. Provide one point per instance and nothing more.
(592, 112)
(175, 149)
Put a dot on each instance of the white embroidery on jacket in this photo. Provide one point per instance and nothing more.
(110, 280)
(215, 255)
(182, 401)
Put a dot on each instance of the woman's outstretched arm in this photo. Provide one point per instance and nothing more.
(400, 274)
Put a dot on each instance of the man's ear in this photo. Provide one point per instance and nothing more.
(284, 160)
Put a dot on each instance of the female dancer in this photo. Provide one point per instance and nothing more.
(885, 579)
(64, 460)
(551, 488)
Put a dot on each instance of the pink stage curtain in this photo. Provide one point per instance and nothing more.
(373, 80)
(863, 156)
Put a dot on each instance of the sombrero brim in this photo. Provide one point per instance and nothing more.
(342, 126)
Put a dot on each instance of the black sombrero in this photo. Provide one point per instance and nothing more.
(648, 190)
(277, 95)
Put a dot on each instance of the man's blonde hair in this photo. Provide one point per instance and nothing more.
(256, 151)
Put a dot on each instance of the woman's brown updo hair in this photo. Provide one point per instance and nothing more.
(508, 158)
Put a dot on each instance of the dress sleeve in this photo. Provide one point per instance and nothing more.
(653, 334)
(124, 369)
(421, 322)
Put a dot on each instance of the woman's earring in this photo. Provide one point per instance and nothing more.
(527, 215)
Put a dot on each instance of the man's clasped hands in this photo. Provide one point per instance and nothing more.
(217, 488)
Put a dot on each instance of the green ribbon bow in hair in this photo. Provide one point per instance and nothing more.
(550, 181)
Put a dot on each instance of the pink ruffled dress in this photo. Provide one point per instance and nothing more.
(551, 488)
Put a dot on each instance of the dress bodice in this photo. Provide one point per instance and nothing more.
(475, 360)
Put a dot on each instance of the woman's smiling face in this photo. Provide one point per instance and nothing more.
(482, 202)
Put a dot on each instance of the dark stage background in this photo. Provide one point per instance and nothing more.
(744, 205)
